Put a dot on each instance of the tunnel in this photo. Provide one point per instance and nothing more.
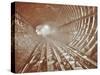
(54, 37)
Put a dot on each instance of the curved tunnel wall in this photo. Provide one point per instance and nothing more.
(72, 46)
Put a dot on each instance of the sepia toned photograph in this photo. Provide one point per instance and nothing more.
(53, 37)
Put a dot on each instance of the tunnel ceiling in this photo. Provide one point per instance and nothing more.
(51, 37)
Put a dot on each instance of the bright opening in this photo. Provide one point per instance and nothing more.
(43, 30)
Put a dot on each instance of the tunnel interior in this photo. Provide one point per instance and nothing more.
(54, 37)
